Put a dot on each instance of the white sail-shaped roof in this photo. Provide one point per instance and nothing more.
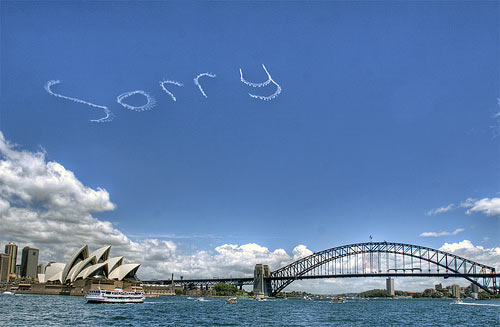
(55, 277)
(82, 265)
(91, 270)
(53, 271)
(101, 254)
(41, 278)
(81, 254)
(79, 267)
(113, 263)
(123, 271)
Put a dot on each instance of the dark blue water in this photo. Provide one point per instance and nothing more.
(46, 310)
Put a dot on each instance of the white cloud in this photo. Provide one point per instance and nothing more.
(490, 207)
(440, 210)
(300, 251)
(45, 205)
(437, 234)
(477, 253)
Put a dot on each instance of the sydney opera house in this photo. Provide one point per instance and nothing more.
(89, 266)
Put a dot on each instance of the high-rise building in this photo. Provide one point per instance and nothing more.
(11, 250)
(438, 287)
(455, 290)
(390, 286)
(39, 269)
(29, 262)
(4, 267)
(18, 270)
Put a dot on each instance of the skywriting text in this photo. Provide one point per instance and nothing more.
(166, 86)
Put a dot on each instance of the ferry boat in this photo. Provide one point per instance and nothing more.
(231, 300)
(115, 296)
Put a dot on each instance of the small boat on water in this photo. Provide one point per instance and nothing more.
(7, 293)
(458, 301)
(200, 299)
(232, 300)
(338, 299)
(307, 298)
(114, 296)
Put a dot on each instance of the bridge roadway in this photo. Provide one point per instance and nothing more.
(239, 281)
(201, 281)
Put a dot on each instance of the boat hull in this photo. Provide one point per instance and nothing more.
(115, 296)
(102, 300)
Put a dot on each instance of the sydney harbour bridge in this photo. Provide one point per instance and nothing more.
(371, 259)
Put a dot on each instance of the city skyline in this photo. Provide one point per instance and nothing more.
(83, 265)
(374, 121)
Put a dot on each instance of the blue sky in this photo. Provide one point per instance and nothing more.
(386, 112)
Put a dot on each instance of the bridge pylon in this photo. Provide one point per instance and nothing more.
(261, 282)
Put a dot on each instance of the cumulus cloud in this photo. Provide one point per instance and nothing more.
(490, 207)
(301, 251)
(465, 248)
(437, 234)
(45, 205)
(440, 210)
(227, 259)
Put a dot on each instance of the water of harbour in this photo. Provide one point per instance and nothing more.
(47, 310)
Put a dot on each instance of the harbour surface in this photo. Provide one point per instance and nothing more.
(47, 310)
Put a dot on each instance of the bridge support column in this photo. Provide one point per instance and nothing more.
(261, 281)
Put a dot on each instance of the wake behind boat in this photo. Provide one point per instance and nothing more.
(7, 293)
(115, 296)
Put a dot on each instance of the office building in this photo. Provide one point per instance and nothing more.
(11, 250)
(4, 267)
(18, 270)
(39, 269)
(390, 286)
(29, 262)
(455, 290)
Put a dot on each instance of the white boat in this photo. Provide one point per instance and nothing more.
(7, 293)
(458, 301)
(115, 296)
(232, 300)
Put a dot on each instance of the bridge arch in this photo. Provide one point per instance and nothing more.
(383, 259)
